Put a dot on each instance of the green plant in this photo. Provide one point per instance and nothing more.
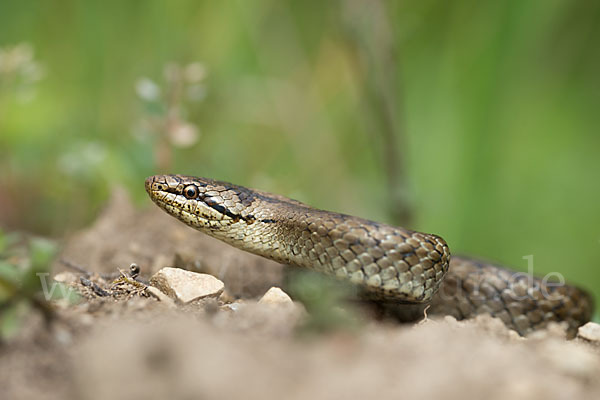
(326, 301)
(24, 286)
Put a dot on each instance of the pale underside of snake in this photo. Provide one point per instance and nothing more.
(394, 266)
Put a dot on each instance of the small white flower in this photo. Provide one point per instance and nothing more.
(183, 134)
(147, 90)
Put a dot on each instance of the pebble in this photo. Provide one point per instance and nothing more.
(590, 332)
(277, 297)
(186, 286)
(66, 277)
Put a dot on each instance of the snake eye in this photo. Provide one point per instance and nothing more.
(190, 191)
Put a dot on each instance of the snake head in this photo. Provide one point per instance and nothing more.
(202, 203)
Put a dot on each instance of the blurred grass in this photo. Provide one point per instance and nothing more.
(493, 114)
(326, 303)
(25, 284)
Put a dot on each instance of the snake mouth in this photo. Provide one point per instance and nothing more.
(160, 186)
(155, 186)
(148, 184)
(162, 194)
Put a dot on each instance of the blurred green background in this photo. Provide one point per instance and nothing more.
(476, 120)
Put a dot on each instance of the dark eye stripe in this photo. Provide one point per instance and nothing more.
(209, 201)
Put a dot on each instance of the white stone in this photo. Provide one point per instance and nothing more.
(65, 277)
(590, 331)
(186, 286)
(275, 296)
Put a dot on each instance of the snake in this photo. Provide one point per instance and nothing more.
(392, 266)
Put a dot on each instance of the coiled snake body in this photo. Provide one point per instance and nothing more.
(389, 264)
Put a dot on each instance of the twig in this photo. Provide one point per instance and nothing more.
(94, 286)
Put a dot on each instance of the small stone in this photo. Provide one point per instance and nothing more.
(66, 277)
(186, 286)
(160, 296)
(275, 296)
(590, 332)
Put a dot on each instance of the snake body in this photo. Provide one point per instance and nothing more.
(391, 265)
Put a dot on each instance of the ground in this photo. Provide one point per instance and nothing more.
(134, 346)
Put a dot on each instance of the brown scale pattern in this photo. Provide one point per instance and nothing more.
(523, 302)
(387, 263)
